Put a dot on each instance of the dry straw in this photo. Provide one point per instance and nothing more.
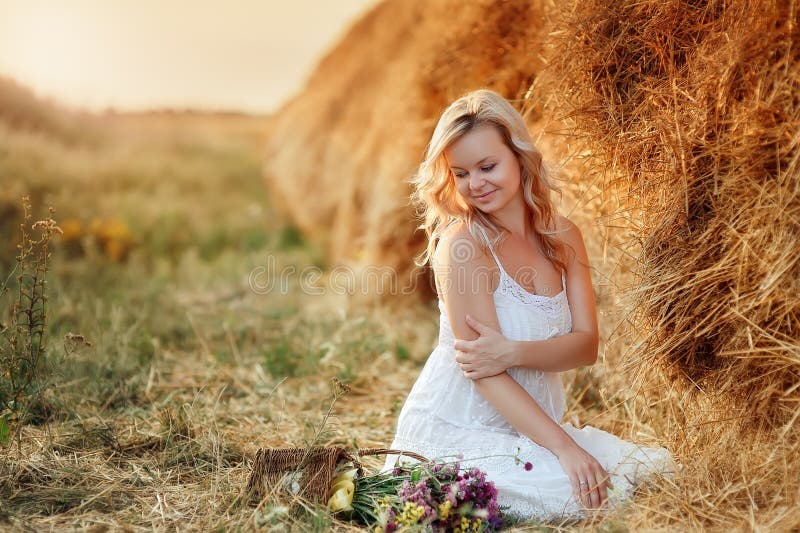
(693, 108)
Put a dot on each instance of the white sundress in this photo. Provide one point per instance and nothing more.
(444, 415)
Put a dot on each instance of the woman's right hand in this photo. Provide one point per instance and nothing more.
(581, 466)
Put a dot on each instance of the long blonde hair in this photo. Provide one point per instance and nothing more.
(436, 198)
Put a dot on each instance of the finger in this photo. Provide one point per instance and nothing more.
(476, 374)
(603, 479)
(576, 488)
(600, 487)
(594, 492)
(586, 493)
(476, 324)
(473, 324)
(583, 489)
(607, 484)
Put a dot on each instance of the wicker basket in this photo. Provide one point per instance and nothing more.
(314, 468)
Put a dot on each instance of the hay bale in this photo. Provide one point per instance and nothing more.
(339, 153)
(693, 109)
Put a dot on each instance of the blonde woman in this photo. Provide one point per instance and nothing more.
(517, 308)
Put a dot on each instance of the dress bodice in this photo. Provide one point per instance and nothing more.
(522, 316)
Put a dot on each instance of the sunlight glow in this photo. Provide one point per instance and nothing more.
(248, 54)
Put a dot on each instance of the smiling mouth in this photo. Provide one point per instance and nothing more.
(485, 195)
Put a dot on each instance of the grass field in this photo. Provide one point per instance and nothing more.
(189, 369)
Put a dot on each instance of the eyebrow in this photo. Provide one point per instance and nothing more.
(478, 163)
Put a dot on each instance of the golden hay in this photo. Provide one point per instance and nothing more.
(340, 152)
(694, 108)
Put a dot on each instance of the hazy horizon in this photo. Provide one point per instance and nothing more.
(131, 55)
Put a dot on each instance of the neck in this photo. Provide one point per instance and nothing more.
(514, 219)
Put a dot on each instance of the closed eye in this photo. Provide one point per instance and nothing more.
(486, 168)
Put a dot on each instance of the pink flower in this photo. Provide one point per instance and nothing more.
(528, 466)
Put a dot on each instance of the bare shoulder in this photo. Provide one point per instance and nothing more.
(460, 263)
(571, 235)
(457, 246)
(567, 227)
(462, 269)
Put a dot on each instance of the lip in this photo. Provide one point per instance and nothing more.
(485, 196)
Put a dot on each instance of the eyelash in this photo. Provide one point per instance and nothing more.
(485, 169)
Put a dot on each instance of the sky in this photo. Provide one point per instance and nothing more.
(133, 55)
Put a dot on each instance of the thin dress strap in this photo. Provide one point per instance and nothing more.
(491, 249)
(500, 266)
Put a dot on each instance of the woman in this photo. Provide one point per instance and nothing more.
(517, 307)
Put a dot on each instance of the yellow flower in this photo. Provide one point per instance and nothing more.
(342, 491)
(342, 496)
(72, 228)
(384, 502)
(341, 500)
(347, 474)
(411, 514)
(463, 527)
(444, 509)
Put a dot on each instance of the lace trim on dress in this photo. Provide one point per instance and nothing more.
(550, 304)
(509, 287)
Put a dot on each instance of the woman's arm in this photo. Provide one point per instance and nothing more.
(461, 275)
(558, 354)
(579, 347)
(492, 352)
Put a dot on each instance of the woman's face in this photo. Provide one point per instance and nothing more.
(485, 170)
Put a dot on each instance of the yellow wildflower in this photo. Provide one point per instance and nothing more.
(384, 502)
(463, 526)
(411, 514)
(73, 229)
(444, 509)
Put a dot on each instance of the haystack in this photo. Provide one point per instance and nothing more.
(693, 110)
(341, 151)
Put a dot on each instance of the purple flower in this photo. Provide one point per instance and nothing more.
(528, 466)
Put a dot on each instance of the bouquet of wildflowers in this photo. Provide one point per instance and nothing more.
(438, 496)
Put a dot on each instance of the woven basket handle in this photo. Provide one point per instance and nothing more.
(380, 451)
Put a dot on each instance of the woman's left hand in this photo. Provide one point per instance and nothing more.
(488, 355)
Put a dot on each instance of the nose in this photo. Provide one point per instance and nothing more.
(476, 182)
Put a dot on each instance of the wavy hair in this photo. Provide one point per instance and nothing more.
(437, 201)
